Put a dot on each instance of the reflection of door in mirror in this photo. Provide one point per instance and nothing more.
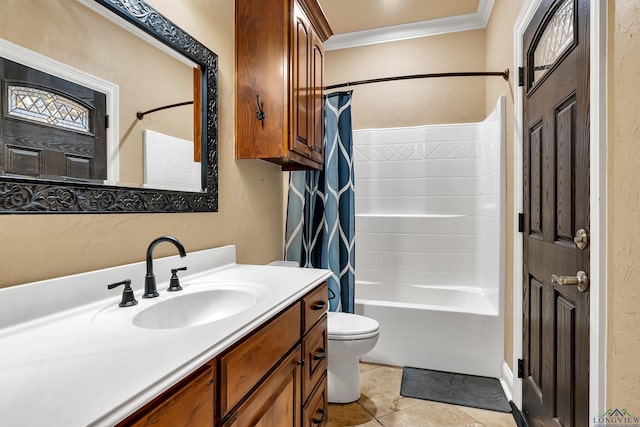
(145, 73)
(50, 128)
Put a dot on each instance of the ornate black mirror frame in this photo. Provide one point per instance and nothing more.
(20, 195)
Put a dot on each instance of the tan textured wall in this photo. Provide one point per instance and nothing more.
(499, 56)
(413, 102)
(37, 247)
(623, 211)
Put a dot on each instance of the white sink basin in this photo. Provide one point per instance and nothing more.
(197, 304)
(195, 309)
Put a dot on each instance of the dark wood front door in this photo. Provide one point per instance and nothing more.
(50, 128)
(556, 204)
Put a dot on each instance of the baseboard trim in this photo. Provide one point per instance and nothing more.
(506, 381)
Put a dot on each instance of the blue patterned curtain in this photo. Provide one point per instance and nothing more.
(321, 212)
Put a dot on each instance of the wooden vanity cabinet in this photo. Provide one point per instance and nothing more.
(277, 375)
(314, 412)
(314, 306)
(276, 401)
(280, 58)
(314, 353)
(243, 366)
(273, 377)
(189, 403)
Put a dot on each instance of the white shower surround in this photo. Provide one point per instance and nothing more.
(430, 205)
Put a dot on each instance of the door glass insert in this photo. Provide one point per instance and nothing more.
(557, 37)
(45, 107)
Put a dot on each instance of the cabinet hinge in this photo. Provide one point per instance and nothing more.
(520, 76)
(521, 222)
(520, 368)
(106, 122)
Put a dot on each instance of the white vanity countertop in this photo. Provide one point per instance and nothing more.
(68, 358)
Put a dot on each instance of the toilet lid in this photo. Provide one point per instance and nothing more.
(350, 326)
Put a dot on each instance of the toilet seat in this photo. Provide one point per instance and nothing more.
(350, 327)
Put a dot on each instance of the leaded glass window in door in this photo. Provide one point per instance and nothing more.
(50, 128)
(47, 107)
(556, 39)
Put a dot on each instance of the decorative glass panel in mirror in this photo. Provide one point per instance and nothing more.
(142, 63)
(556, 38)
(53, 128)
(41, 106)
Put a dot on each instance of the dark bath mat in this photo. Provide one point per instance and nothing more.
(457, 389)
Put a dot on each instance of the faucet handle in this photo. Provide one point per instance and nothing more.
(174, 282)
(128, 298)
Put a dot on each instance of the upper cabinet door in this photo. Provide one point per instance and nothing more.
(301, 62)
(317, 99)
(261, 80)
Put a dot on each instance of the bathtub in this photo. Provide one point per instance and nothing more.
(429, 243)
(453, 329)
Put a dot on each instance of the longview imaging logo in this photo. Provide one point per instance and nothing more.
(616, 417)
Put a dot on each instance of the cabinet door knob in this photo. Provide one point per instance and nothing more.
(321, 354)
(323, 415)
(319, 305)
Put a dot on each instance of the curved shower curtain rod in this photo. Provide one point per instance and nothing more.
(504, 74)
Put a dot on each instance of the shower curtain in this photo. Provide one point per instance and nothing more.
(321, 209)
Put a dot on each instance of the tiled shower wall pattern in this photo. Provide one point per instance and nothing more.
(428, 200)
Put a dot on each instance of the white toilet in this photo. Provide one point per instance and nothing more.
(350, 336)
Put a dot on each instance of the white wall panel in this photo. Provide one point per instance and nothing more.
(428, 204)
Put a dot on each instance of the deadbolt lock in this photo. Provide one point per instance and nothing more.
(581, 239)
(581, 280)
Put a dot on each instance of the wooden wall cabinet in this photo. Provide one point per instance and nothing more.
(274, 377)
(279, 71)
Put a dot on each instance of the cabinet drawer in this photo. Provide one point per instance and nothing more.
(315, 305)
(276, 402)
(314, 354)
(314, 413)
(190, 404)
(247, 363)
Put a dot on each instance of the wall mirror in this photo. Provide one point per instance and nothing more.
(128, 53)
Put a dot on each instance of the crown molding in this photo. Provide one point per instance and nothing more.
(432, 27)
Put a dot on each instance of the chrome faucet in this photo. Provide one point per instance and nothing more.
(150, 290)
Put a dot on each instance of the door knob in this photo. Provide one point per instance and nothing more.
(581, 280)
(581, 239)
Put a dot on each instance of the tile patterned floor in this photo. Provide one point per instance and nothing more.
(382, 405)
